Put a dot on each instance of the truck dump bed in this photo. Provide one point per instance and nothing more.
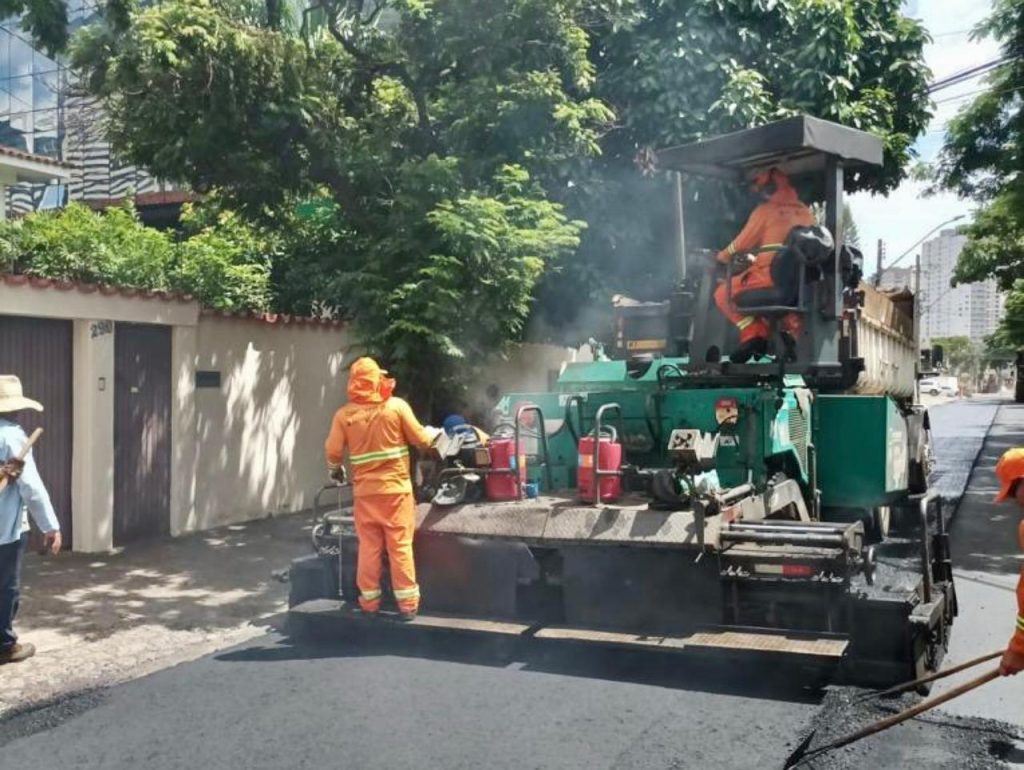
(885, 337)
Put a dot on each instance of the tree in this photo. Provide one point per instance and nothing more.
(981, 158)
(424, 150)
(225, 267)
(677, 72)
(419, 137)
(851, 233)
(963, 357)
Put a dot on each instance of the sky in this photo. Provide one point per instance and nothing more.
(904, 216)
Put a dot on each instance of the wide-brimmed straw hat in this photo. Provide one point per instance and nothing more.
(12, 398)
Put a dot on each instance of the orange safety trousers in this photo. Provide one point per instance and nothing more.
(386, 522)
(1017, 641)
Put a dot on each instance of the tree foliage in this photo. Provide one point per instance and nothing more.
(961, 354)
(982, 159)
(430, 165)
(225, 267)
(420, 154)
(678, 72)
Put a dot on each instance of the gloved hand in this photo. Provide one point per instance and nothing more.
(743, 260)
(337, 474)
(434, 433)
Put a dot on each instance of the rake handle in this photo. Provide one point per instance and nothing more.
(20, 457)
(936, 675)
(910, 713)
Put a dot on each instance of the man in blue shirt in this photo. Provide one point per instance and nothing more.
(24, 490)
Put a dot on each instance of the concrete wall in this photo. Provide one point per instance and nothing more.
(247, 448)
(92, 456)
(257, 440)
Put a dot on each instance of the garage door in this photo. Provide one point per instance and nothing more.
(38, 350)
(142, 432)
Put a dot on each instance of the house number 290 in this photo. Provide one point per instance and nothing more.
(99, 328)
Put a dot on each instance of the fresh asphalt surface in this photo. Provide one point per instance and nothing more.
(403, 705)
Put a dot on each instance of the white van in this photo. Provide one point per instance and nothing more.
(941, 386)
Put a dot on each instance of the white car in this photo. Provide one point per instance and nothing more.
(941, 386)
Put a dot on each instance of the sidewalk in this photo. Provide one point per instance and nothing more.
(986, 562)
(96, 620)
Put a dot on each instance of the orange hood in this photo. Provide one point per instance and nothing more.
(368, 383)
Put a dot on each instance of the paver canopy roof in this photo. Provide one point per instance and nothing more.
(796, 145)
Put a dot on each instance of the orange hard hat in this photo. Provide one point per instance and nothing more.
(1009, 469)
(764, 178)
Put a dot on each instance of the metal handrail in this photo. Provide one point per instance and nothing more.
(654, 427)
(517, 444)
(926, 557)
(576, 399)
(598, 473)
(546, 464)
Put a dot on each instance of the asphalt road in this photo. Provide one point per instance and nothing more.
(958, 432)
(272, 705)
(986, 562)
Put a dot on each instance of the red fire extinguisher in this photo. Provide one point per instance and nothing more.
(609, 458)
(502, 486)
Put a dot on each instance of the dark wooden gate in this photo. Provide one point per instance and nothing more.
(38, 350)
(142, 432)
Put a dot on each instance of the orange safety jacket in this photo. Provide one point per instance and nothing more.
(766, 231)
(377, 437)
(1017, 642)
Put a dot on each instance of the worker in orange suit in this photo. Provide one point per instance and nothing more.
(1010, 470)
(764, 234)
(377, 431)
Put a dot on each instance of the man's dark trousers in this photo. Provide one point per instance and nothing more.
(10, 588)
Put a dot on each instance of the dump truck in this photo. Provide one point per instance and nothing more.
(664, 498)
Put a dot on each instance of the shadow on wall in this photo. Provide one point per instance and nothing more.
(260, 435)
(206, 581)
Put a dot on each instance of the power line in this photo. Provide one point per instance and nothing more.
(971, 94)
(968, 74)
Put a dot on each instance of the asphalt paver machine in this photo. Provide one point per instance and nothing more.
(665, 498)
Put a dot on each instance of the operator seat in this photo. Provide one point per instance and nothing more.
(795, 266)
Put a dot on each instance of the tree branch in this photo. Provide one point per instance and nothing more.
(395, 69)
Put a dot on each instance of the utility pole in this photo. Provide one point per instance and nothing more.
(918, 315)
(879, 262)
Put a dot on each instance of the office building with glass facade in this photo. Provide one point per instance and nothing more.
(40, 113)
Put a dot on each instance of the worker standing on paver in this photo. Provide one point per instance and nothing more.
(377, 430)
(764, 234)
(1010, 470)
(24, 489)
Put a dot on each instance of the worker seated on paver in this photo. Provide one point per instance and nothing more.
(377, 431)
(1010, 470)
(764, 236)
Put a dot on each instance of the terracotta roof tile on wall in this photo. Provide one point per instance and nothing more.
(161, 198)
(11, 152)
(274, 318)
(51, 284)
(106, 290)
